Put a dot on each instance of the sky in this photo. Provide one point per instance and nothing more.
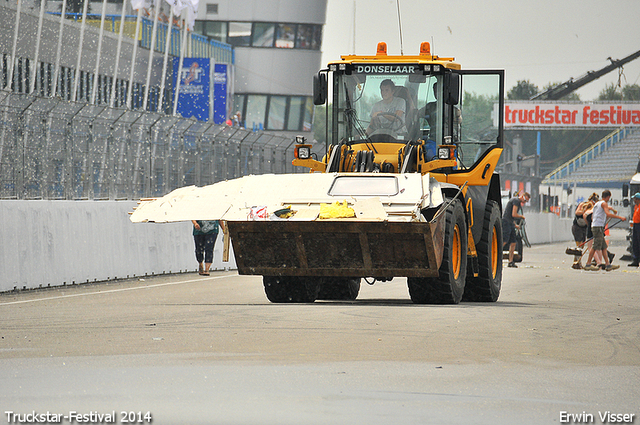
(543, 41)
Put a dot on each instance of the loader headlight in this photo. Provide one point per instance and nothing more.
(447, 152)
(303, 152)
(443, 153)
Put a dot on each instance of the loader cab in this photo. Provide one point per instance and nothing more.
(436, 103)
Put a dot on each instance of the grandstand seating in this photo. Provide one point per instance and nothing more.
(612, 159)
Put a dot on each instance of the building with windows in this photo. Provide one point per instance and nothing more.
(277, 47)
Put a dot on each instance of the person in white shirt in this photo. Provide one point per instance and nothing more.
(602, 211)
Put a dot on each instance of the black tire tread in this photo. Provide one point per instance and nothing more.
(287, 289)
(484, 288)
(440, 290)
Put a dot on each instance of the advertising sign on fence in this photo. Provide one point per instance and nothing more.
(220, 90)
(203, 89)
(570, 115)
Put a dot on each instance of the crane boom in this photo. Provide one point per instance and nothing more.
(563, 89)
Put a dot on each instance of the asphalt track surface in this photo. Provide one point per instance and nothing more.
(212, 350)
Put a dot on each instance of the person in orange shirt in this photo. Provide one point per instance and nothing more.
(636, 231)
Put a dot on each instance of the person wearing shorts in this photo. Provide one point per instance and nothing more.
(602, 211)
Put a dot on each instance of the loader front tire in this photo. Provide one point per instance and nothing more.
(486, 287)
(448, 287)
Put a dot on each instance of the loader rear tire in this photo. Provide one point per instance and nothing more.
(486, 287)
(290, 289)
(448, 288)
(339, 289)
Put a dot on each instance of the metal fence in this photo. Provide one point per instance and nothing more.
(55, 149)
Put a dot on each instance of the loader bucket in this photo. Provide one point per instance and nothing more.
(338, 248)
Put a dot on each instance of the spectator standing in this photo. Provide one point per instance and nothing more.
(205, 233)
(509, 225)
(636, 230)
(602, 211)
(237, 120)
(579, 229)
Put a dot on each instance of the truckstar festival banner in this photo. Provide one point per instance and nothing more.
(570, 115)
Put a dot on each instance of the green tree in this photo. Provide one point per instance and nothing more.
(523, 90)
(631, 92)
(477, 119)
(610, 92)
(614, 92)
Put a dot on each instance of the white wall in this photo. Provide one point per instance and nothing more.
(50, 243)
(547, 228)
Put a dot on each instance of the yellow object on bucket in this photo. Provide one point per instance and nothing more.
(336, 210)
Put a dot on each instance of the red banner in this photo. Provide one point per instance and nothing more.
(570, 115)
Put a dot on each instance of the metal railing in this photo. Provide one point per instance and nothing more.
(55, 149)
(199, 46)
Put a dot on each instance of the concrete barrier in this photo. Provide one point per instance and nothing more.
(51, 243)
(547, 228)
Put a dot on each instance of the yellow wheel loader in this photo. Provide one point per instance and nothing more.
(405, 188)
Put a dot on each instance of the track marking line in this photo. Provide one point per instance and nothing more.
(111, 291)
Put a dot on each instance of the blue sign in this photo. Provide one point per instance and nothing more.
(204, 89)
(220, 93)
(195, 88)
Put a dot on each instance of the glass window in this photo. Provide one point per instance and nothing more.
(305, 35)
(308, 115)
(309, 37)
(198, 27)
(239, 33)
(473, 120)
(263, 34)
(316, 42)
(296, 106)
(215, 30)
(238, 107)
(256, 109)
(277, 108)
(286, 36)
(212, 8)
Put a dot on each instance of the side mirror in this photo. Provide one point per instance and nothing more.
(452, 88)
(625, 190)
(320, 89)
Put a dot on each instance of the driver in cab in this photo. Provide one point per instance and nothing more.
(387, 114)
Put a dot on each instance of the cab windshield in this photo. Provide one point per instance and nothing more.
(404, 107)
